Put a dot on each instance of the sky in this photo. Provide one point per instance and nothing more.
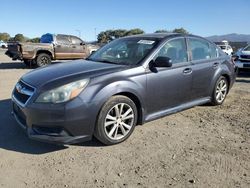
(88, 18)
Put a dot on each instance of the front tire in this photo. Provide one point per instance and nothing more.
(116, 120)
(220, 91)
(43, 60)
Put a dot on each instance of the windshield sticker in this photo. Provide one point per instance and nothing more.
(146, 42)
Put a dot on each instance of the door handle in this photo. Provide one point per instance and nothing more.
(73, 46)
(59, 46)
(187, 71)
(215, 65)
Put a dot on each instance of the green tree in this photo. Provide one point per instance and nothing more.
(180, 30)
(109, 35)
(135, 31)
(118, 33)
(19, 37)
(105, 36)
(34, 40)
(162, 31)
(4, 36)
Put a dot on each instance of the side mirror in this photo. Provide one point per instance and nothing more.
(82, 43)
(92, 52)
(163, 62)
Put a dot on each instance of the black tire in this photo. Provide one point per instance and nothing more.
(43, 60)
(101, 131)
(215, 99)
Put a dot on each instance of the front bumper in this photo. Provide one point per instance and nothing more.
(243, 64)
(60, 124)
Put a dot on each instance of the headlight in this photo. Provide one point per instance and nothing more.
(63, 93)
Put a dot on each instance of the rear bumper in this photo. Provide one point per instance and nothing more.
(14, 55)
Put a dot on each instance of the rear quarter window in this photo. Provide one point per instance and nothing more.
(199, 48)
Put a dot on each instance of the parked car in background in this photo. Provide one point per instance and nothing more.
(51, 47)
(242, 58)
(227, 49)
(129, 81)
(3, 44)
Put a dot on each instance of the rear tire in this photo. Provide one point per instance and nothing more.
(220, 91)
(116, 120)
(43, 60)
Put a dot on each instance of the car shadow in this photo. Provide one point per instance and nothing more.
(13, 138)
(21, 65)
(13, 65)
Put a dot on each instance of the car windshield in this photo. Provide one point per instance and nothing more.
(127, 51)
(223, 47)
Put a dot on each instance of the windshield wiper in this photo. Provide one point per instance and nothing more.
(106, 61)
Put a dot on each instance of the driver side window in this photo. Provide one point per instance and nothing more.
(175, 50)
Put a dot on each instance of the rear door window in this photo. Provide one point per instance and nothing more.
(200, 49)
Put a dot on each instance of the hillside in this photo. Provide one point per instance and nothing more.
(234, 37)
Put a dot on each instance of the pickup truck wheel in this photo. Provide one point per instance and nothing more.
(43, 60)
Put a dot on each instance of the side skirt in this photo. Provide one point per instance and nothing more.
(173, 110)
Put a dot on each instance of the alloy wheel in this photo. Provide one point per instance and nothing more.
(221, 91)
(119, 121)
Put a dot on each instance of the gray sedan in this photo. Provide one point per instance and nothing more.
(127, 82)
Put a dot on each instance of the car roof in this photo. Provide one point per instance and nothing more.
(161, 36)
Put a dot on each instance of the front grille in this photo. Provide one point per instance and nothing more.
(242, 60)
(19, 114)
(245, 56)
(23, 92)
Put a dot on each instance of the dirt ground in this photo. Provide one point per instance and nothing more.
(205, 146)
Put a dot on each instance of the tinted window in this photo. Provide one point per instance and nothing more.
(62, 39)
(174, 49)
(199, 48)
(76, 40)
(213, 51)
(223, 47)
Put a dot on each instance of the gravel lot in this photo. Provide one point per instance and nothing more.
(205, 146)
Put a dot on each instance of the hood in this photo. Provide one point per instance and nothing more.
(245, 52)
(81, 68)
